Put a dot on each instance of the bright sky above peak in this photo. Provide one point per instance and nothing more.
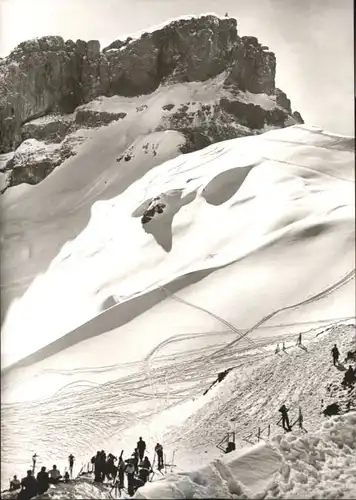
(313, 40)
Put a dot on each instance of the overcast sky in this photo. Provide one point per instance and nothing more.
(312, 39)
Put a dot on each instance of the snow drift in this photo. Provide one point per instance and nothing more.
(320, 464)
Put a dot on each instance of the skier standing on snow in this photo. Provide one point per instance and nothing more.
(29, 487)
(145, 470)
(135, 459)
(121, 471)
(43, 481)
(285, 418)
(335, 353)
(98, 467)
(141, 447)
(54, 475)
(299, 341)
(15, 484)
(71, 463)
(130, 471)
(34, 457)
(159, 451)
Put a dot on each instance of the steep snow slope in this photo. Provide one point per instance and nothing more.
(250, 226)
(113, 415)
(256, 236)
(108, 160)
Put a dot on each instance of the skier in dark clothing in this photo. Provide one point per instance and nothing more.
(92, 461)
(98, 467)
(145, 470)
(130, 471)
(135, 456)
(159, 451)
(15, 484)
(336, 354)
(43, 481)
(34, 458)
(110, 467)
(29, 487)
(71, 463)
(299, 341)
(121, 472)
(141, 447)
(285, 419)
(102, 465)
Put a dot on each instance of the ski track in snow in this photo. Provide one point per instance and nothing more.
(100, 406)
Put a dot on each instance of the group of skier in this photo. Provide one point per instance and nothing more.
(137, 468)
(349, 380)
(30, 486)
(350, 374)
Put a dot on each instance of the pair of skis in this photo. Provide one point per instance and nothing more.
(171, 465)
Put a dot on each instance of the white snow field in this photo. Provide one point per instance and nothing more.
(125, 325)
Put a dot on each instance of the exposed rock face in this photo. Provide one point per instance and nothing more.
(52, 128)
(50, 76)
(34, 160)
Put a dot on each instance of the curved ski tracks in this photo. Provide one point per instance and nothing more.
(320, 295)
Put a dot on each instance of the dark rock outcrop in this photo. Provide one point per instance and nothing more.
(34, 160)
(49, 75)
(90, 118)
(53, 128)
(46, 85)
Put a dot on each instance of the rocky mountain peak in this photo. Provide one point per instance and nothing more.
(48, 75)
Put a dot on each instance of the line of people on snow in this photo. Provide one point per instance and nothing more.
(137, 468)
(30, 486)
(350, 374)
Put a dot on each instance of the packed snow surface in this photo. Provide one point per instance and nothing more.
(133, 321)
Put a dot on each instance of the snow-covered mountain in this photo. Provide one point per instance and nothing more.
(194, 76)
(253, 242)
(132, 274)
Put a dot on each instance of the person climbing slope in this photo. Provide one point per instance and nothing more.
(335, 353)
(285, 418)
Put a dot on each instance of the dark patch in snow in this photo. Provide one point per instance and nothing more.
(333, 409)
(161, 228)
(225, 185)
(108, 302)
(168, 107)
(313, 231)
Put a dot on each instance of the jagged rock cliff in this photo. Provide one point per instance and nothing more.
(48, 76)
